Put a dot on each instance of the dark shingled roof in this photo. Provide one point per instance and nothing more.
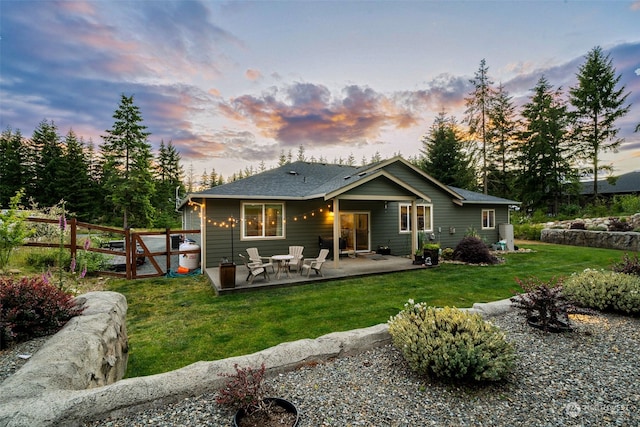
(304, 180)
(625, 184)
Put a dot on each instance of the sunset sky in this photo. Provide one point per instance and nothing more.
(235, 83)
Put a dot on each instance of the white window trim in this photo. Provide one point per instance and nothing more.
(262, 237)
(408, 205)
(492, 216)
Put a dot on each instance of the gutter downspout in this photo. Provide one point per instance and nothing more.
(414, 227)
(336, 233)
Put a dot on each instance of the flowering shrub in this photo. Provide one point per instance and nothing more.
(30, 307)
(447, 254)
(474, 251)
(605, 290)
(450, 343)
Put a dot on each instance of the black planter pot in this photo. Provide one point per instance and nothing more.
(285, 404)
(559, 326)
(432, 255)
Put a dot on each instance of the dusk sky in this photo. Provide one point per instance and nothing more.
(235, 83)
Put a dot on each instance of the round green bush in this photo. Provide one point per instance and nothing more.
(448, 343)
(604, 290)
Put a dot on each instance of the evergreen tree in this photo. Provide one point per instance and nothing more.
(545, 154)
(204, 181)
(126, 170)
(501, 134)
(598, 103)
(75, 181)
(282, 159)
(13, 174)
(301, 157)
(477, 115)
(45, 165)
(443, 157)
(213, 178)
(168, 185)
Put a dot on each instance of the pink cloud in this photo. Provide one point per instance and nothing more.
(252, 74)
(309, 113)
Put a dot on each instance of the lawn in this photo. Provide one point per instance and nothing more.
(174, 322)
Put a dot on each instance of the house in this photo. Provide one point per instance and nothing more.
(628, 183)
(349, 209)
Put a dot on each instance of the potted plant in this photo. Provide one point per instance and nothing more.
(418, 257)
(544, 304)
(246, 392)
(431, 253)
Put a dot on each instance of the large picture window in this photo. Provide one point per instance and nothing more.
(488, 219)
(262, 220)
(424, 218)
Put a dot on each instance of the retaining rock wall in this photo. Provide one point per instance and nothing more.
(627, 241)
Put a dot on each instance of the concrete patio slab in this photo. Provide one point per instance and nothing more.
(365, 264)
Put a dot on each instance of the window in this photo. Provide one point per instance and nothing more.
(488, 219)
(262, 220)
(424, 218)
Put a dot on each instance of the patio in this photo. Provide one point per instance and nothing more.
(362, 265)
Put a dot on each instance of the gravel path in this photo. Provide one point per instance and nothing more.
(586, 378)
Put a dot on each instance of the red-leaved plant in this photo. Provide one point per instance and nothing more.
(30, 307)
(544, 302)
(245, 390)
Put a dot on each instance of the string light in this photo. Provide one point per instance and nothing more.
(229, 222)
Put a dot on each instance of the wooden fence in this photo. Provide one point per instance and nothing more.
(130, 246)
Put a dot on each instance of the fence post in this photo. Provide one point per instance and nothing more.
(128, 252)
(169, 247)
(74, 237)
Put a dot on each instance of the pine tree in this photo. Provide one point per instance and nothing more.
(545, 154)
(75, 181)
(13, 174)
(598, 104)
(477, 115)
(46, 159)
(501, 135)
(442, 155)
(168, 184)
(126, 169)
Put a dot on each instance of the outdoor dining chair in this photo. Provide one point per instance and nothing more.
(315, 264)
(254, 256)
(255, 270)
(296, 252)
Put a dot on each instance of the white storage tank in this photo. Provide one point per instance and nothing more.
(190, 261)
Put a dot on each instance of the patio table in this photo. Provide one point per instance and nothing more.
(283, 264)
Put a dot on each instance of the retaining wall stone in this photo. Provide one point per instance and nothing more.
(627, 241)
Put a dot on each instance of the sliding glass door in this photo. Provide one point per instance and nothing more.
(354, 229)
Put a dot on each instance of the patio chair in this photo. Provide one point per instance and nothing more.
(254, 256)
(296, 262)
(315, 264)
(255, 270)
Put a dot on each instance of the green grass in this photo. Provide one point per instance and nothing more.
(174, 322)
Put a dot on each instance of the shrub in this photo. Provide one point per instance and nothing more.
(30, 307)
(544, 304)
(447, 254)
(474, 251)
(616, 224)
(244, 390)
(452, 344)
(527, 231)
(628, 265)
(605, 290)
(42, 259)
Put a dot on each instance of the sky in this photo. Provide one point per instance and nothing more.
(235, 83)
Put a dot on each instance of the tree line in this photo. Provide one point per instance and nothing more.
(539, 155)
(121, 182)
